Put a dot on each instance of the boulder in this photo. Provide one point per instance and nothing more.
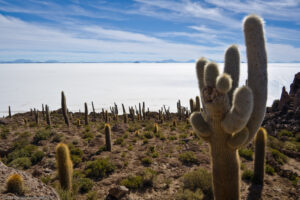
(34, 188)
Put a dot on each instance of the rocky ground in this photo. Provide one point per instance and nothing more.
(151, 165)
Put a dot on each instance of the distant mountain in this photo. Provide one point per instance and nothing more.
(138, 61)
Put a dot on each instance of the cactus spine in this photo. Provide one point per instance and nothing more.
(108, 137)
(260, 152)
(65, 166)
(226, 124)
(64, 108)
(15, 184)
(48, 118)
(86, 114)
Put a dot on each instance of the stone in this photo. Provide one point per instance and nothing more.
(117, 192)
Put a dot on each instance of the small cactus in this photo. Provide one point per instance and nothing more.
(43, 111)
(197, 106)
(155, 128)
(125, 118)
(260, 152)
(64, 108)
(108, 137)
(78, 123)
(15, 184)
(65, 166)
(36, 116)
(174, 123)
(86, 114)
(48, 117)
(9, 112)
(192, 105)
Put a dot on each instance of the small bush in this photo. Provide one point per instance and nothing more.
(99, 168)
(20, 163)
(188, 158)
(41, 135)
(133, 182)
(148, 134)
(199, 179)
(37, 157)
(140, 181)
(187, 194)
(119, 141)
(92, 195)
(85, 185)
(285, 132)
(279, 157)
(172, 137)
(246, 153)
(269, 170)
(247, 175)
(20, 152)
(146, 161)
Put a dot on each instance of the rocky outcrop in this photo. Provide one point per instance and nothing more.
(34, 188)
(285, 112)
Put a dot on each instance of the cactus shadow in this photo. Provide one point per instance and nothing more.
(255, 192)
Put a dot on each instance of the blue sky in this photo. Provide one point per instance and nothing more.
(151, 30)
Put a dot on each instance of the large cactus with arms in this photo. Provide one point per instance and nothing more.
(231, 116)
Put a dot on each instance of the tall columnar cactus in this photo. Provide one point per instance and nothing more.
(15, 184)
(9, 112)
(64, 108)
(228, 125)
(107, 131)
(197, 106)
(192, 105)
(36, 116)
(64, 166)
(43, 111)
(86, 114)
(260, 152)
(94, 112)
(48, 117)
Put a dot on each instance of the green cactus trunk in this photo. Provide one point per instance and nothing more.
(65, 166)
(86, 114)
(260, 152)
(48, 118)
(108, 137)
(225, 166)
(227, 125)
(9, 112)
(64, 108)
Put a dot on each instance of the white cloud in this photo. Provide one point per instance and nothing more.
(282, 10)
(19, 36)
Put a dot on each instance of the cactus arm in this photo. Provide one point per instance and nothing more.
(257, 70)
(200, 127)
(224, 83)
(200, 75)
(242, 105)
(211, 72)
(232, 67)
(238, 139)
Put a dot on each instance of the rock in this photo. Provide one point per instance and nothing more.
(34, 188)
(284, 100)
(117, 193)
(295, 86)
